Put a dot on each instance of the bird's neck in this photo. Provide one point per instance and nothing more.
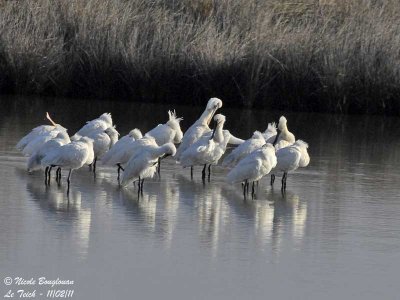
(204, 118)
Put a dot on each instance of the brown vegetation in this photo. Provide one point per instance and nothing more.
(292, 55)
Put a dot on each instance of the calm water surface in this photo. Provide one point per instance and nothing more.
(334, 235)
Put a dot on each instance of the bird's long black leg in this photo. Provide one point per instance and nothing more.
(159, 167)
(252, 191)
(203, 173)
(191, 172)
(49, 175)
(141, 187)
(69, 180)
(45, 175)
(94, 164)
(58, 175)
(209, 173)
(272, 179)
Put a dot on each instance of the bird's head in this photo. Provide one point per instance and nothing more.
(136, 134)
(212, 106)
(282, 123)
(106, 117)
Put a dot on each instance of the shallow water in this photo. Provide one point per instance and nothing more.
(334, 235)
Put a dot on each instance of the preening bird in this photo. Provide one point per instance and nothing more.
(71, 156)
(250, 145)
(200, 127)
(207, 150)
(290, 158)
(143, 164)
(103, 140)
(253, 167)
(284, 137)
(101, 123)
(121, 152)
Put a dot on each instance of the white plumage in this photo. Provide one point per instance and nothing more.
(34, 161)
(169, 132)
(270, 133)
(200, 127)
(143, 163)
(250, 145)
(285, 137)
(72, 156)
(292, 157)
(120, 153)
(254, 166)
(207, 150)
(101, 123)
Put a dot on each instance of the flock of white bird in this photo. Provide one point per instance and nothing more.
(139, 157)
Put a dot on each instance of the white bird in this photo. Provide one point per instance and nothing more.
(207, 150)
(121, 152)
(169, 132)
(290, 158)
(101, 123)
(103, 140)
(143, 164)
(199, 128)
(253, 167)
(34, 161)
(284, 137)
(30, 143)
(250, 145)
(270, 133)
(72, 156)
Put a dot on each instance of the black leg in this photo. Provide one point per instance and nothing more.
(69, 180)
(272, 179)
(94, 164)
(58, 175)
(49, 175)
(46, 171)
(159, 167)
(209, 172)
(141, 187)
(191, 172)
(203, 173)
(252, 191)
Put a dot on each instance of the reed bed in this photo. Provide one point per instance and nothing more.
(325, 56)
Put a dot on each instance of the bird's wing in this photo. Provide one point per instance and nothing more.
(288, 159)
(246, 169)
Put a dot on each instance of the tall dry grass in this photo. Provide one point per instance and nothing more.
(289, 55)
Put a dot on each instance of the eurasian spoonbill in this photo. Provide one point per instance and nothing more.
(101, 123)
(71, 156)
(121, 152)
(207, 150)
(253, 167)
(143, 164)
(290, 158)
